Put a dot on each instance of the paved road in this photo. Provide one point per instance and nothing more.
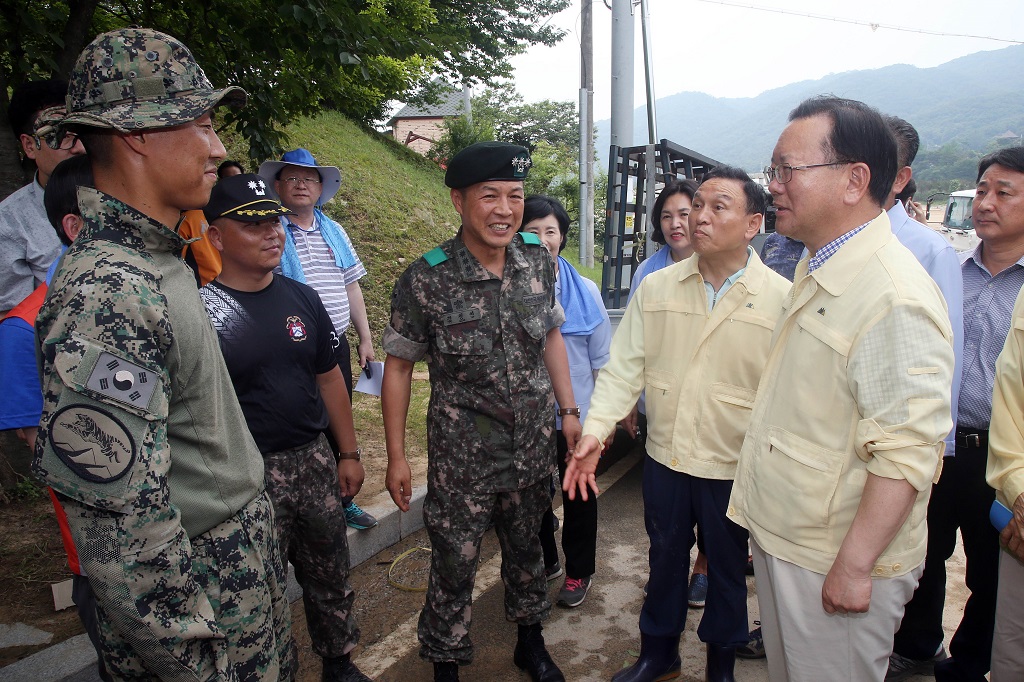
(590, 642)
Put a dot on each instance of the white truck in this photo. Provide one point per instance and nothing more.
(957, 224)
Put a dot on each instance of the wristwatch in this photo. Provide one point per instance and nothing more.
(566, 411)
(356, 455)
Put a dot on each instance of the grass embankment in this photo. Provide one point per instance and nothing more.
(392, 202)
(395, 207)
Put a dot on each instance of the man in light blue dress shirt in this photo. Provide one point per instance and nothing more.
(935, 254)
(992, 277)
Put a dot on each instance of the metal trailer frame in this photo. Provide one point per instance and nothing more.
(644, 169)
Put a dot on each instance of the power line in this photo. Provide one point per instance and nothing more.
(870, 24)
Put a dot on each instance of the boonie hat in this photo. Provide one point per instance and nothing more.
(330, 176)
(139, 79)
(487, 161)
(246, 197)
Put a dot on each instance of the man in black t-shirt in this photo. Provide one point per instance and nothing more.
(276, 338)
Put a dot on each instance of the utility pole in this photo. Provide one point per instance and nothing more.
(467, 102)
(587, 197)
(645, 25)
(622, 73)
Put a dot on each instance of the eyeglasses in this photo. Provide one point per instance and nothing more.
(784, 172)
(67, 142)
(294, 181)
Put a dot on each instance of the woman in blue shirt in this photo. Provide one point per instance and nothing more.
(671, 213)
(587, 332)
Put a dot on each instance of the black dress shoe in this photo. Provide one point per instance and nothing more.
(949, 670)
(532, 656)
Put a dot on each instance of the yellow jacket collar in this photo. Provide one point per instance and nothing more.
(842, 268)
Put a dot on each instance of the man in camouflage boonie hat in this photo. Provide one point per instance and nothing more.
(141, 435)
(139, 79)
(481, 310)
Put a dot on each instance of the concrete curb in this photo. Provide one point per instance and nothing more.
(392, 525)
(74, 659)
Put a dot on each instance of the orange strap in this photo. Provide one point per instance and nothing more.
(65, 534)
(29, 307)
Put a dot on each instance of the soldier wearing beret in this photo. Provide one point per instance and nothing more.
(141, 435)
(481, 309)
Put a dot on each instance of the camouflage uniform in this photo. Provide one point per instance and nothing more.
(141, 435)
(490, 425)
(311, 530)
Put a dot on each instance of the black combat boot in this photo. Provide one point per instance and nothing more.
(531, 656)
(446, 671)
(658, 661)
(720, 663)
(342, 669)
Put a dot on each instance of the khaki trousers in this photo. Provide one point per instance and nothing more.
(805, 644)
(1008, 643)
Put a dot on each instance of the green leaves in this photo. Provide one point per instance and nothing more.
(295, 57)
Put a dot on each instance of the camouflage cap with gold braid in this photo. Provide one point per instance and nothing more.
(46, 125)
(138, 79)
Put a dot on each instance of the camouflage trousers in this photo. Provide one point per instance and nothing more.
(456, 523)
(311, 530)
(237, 565)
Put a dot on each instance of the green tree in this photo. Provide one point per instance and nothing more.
(555, 172)
(293, 58)
(516, 121)
(948, 168)
(458, 134)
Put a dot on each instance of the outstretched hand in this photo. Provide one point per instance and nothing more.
(580, 472)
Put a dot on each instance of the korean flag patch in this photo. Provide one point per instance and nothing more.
(123, 381)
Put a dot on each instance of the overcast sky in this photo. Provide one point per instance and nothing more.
(734, 50)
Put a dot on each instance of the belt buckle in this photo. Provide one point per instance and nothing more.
(971, 440)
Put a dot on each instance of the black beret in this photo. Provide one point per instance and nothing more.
(248, 198)
(487, 161)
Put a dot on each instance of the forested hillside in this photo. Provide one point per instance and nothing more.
(959, 108)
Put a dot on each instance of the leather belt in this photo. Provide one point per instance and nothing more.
(971, 438)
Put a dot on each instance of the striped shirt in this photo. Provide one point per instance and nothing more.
(988, 304)
(322, 274)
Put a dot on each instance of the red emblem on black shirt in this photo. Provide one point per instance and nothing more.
(296, 330)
